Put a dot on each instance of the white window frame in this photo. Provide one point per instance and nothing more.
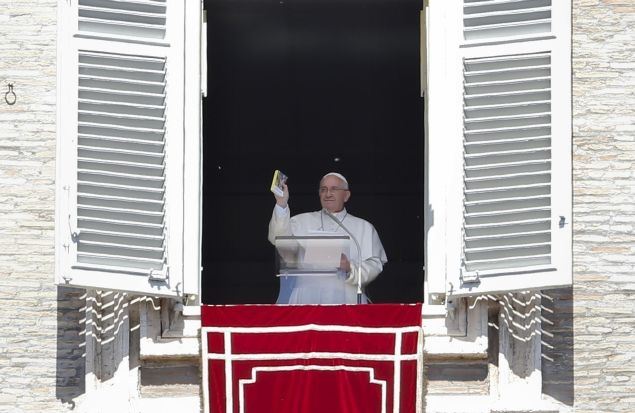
(195, 87)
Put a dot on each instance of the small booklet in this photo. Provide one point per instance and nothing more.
(276, 184)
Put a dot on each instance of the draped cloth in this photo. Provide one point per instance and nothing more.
(325, 290)
(312, 358)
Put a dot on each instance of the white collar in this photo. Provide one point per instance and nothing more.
(340, 215)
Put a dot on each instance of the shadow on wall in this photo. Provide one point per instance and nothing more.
(557, 344)
(71, 331)
(514, 316)
(97, 324)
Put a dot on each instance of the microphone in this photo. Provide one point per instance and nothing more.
(359, 252)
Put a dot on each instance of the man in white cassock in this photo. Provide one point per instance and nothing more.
(341, 289)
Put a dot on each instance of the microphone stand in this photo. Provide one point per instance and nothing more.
(359, 253)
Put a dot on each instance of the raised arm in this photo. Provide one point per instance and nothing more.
(281, 216)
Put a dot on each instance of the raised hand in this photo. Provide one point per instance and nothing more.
(283, 200)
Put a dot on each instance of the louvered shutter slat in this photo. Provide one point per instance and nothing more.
(494, 5)
(134, 146)
(143, 214)
(123, 155)
(506, 169)
(139, 122)
(504, 237)
(477, 146)
(490, 201)
(508, 133)
(124, 181)
(95, 93)
(489, 175)
(506, 204)
(530, 262)
(148, 108)
(129, 217)
(131, 16)
(119, 245)
(120, 227)
(132, 132)
(497, 195)
(507, 218)
(105, 188)
(113, 262)
(491, 213)
(497, 110)
(510, 97)
(509, 226)
(116, 141)
(120, 203)
(509, 16)
(130, 87)
(132, 237)
(104, 171)
(119, 84)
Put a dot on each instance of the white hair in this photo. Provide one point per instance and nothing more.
(337, 175)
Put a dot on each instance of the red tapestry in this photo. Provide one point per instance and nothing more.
(312, 359)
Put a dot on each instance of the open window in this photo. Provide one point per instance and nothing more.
(499, 146)
(310, 87)
(128, 147)
(498, 138)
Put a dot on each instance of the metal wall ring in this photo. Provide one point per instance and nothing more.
(10, 96)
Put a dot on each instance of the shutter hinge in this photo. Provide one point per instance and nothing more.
(74, 232)
(177, 314)
(203, 63)
(562, 222)
(450, 308)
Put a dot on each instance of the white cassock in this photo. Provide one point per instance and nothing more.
(329, 290)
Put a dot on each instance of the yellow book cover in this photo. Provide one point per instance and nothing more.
(276, 184)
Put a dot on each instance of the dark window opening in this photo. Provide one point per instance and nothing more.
(309, 87)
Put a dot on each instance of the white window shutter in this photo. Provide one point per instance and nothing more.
(509, 197)
(119, 220)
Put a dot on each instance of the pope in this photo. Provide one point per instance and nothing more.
(334, 192)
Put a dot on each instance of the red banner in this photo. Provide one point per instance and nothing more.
(310, 359)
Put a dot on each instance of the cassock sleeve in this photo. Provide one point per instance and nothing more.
(374, 258)
(280, 223)
(371, 267)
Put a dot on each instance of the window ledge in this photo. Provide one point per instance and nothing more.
(166, 333)
(170, 347)
(169, 404)
(444, 403)
(462, 336)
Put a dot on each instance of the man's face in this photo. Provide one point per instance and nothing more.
(333, 193)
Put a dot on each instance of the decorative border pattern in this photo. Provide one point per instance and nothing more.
(229, 358)
(255, 371)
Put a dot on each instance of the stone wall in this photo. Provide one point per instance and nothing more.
(604, 198)
(41, 365)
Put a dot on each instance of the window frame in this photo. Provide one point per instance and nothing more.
(442, 91)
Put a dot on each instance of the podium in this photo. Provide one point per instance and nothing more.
(307, 267)
(312, 358)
